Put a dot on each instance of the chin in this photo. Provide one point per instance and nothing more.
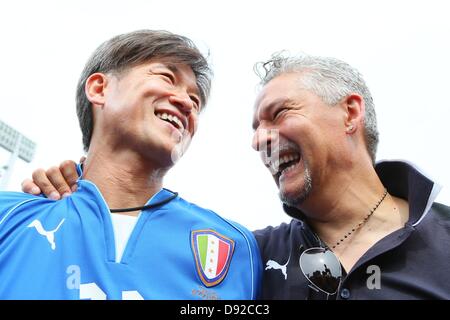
(299, 194)
(159, 155)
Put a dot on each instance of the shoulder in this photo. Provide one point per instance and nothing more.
(434, 227)
(279, 234)
(441, 209)
(18, 208)
(11, 200)
(203, 221)
(11, 196)
(441, 213)
(210, 217)
(206, 219)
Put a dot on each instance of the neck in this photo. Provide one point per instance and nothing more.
(125, 180)
(336, 208)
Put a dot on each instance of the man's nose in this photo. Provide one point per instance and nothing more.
(183, 102)
(255, 140)
(262, 140)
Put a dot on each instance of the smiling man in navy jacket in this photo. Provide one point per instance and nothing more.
(360, 230)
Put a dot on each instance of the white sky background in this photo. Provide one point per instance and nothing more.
(402, 48)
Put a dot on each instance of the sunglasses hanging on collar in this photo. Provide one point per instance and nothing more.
(322, 269)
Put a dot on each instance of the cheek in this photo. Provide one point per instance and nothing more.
(193, 123)
(122, 100)
(146, 92)
(155, 86)
(295, 129)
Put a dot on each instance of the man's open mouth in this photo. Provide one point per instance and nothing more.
(172, 119)
(285, 163)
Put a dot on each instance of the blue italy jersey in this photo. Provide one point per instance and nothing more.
(65, 250)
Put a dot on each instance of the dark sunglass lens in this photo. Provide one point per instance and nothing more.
(322, 268)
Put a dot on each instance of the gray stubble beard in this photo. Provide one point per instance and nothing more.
(302, 195)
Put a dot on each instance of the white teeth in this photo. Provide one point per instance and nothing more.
(171, 118)
(288, 168)
(275, 165)
(288, 158)
(180, 125)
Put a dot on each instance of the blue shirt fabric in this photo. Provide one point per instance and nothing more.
(412, 262)
(65, 250)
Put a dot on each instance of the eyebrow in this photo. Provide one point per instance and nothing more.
(277, 102)
(171, 67)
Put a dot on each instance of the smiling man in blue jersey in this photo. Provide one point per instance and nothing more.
(122, 235)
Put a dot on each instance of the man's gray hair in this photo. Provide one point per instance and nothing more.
(132, 49)
(330, 79)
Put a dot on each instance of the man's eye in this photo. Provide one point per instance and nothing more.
(196, 102)
(169, 77)
(279, 112)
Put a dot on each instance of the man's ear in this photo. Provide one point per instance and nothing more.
(355, 111)
(95, 88)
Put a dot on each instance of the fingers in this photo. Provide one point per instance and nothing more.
(29, 186)
(42, 181)
(58, 181)
(55, 183)
(68, 169)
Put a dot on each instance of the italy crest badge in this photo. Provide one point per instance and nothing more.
(212, 253)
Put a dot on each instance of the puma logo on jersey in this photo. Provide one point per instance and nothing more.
(272, 264)
(50, 235)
